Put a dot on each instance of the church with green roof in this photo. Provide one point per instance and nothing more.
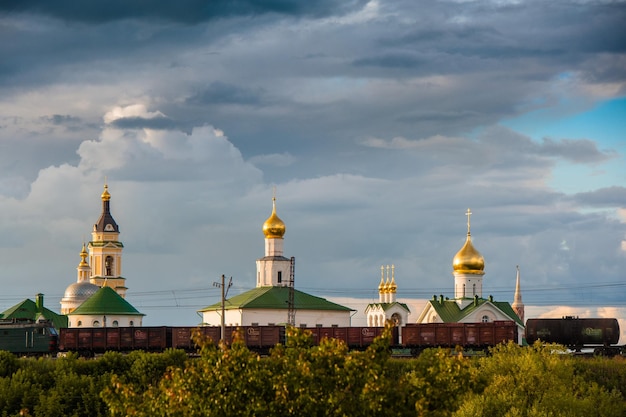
(269, 302)
(468, 304)
(97, 298)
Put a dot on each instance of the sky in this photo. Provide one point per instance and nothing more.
(376, 124)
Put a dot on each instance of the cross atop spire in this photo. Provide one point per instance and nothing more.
(468, 214)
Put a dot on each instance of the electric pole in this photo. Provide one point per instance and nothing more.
(291, 312)
(224, 288)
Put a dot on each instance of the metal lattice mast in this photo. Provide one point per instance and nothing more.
(291, 314)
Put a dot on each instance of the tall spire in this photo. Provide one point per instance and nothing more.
(106, 223)
(518, 305)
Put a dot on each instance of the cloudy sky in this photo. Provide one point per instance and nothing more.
(378, 123)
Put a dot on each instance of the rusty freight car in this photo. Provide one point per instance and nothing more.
(466, 335)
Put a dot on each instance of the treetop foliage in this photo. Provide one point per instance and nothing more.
(303, 379)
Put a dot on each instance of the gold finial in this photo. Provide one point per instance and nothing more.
(468, 214)
(387, 281)
(392, 285)
(381, 286)
(83, 256)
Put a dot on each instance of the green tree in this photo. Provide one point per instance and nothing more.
(297, 379)
(538, 381)
(439, 379)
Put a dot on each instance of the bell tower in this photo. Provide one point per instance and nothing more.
(105, 250)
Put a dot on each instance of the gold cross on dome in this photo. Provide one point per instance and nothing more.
(468, 214)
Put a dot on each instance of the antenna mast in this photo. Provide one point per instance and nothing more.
(291, 314)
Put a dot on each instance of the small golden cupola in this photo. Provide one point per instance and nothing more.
(274, 227)
(468, 260)
(105, 194)
(83, 256)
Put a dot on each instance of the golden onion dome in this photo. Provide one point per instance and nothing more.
(381, 286)
(274, 227)
(468, 260)
(392, 286)
(105, 195)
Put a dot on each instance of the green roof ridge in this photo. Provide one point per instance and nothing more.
(106, 301)
(449, 310)
(27, 310)
(277, 297)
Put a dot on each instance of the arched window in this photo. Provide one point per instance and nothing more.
(108, 266)
(131, 323)
(280, 277)
(485, 319)
(115, 323)
(397, 320)
(463, 295)
(473, 290)
(96, 323)
(80, 323)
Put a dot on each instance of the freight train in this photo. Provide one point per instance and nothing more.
(42, 338)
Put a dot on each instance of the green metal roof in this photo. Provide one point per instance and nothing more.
(449, 311)
(27, 310)
(276, 298)
(106, 301)
(387, 306)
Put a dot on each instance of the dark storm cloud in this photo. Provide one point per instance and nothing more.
(605, 197)
(182, 11)
(61, 119)
(225, 93)
(389, 61)
(157, 123)
(578, 151)
(582, 151)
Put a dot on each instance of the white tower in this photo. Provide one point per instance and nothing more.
(273, 269)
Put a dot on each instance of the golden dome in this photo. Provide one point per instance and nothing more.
(105, 195)
(274, 228)
(381, 286)
(468, 260)
(392, 287)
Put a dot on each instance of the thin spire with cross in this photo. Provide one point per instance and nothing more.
(468, 214)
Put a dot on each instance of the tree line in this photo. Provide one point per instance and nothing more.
(303, 379)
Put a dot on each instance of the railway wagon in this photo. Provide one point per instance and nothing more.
(102, 339)
(28, 337)
(467, 335)
(574, 332)
(254, 337)
(353, 337)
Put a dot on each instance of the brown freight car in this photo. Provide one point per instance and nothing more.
(260, 338)
(90, 340)
(466, 335)
(353, 337)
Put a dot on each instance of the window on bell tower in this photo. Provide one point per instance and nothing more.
(280, 276)
(108, 266)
